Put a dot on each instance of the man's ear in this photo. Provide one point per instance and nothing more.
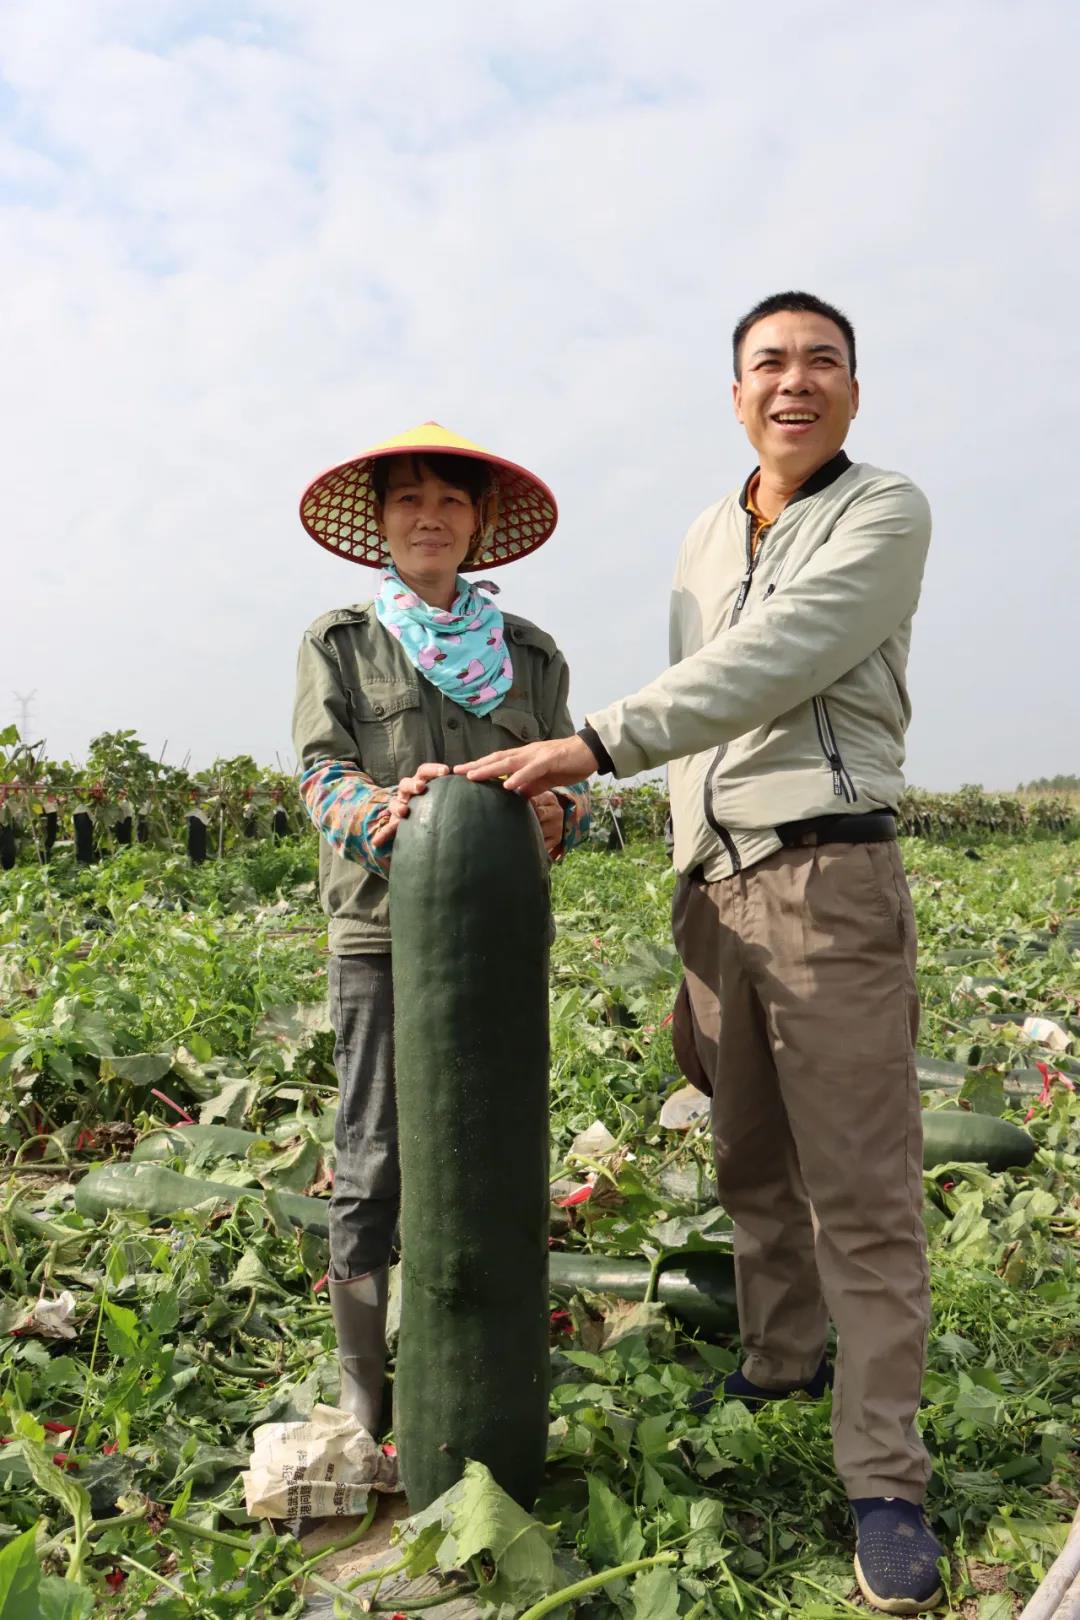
(854, 398)
(736, 399)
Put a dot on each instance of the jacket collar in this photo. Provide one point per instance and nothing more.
(826, 475)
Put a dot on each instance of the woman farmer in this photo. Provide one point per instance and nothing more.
(390, 694)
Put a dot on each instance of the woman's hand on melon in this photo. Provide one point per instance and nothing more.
(549, 813)
(547, 808)
(398, 807)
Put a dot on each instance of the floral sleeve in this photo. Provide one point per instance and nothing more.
(346, 807)
(577, 815)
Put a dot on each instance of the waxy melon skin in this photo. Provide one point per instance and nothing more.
(953, 1135)
(470, 920)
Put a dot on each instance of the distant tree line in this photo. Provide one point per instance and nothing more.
(1051, 784)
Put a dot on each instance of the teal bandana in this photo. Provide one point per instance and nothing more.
(459, 649)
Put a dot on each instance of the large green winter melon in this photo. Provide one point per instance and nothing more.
(469, 916)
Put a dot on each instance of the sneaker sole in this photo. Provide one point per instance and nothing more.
(895, 1605)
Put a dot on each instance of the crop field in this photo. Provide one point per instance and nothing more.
(140, 1348)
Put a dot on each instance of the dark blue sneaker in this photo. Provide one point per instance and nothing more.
(896, 1555)
(738, 1388)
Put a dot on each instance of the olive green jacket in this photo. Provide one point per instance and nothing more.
(358, 698)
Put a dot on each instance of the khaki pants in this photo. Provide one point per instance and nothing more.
(801, 981)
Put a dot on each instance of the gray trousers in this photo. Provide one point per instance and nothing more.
(367, 1181)
(801, 980)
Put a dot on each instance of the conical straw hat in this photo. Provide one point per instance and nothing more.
(338, 508)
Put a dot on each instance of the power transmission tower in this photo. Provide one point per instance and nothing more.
(25, 701)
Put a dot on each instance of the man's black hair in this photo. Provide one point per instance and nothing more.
(801, 303)
(469, 473)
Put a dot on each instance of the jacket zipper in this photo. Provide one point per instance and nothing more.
(740, 602)
(843, 786)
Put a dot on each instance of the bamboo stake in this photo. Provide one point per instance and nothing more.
(1057, 1588)
(1069, 1607)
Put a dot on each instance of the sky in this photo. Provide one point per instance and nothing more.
(241, 242)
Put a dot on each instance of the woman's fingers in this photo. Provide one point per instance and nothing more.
(549, 813)
(397, 806)
(384, 832)
(410, 786)
(547, 808)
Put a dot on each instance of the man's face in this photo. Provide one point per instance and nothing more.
(795, 396)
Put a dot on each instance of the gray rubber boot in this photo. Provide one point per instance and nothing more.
(359, 1307)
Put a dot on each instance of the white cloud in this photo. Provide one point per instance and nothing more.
(243, 242)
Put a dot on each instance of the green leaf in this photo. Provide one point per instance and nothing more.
(293, 1168)
(55, 1482)
(20, 1572)
(655, 1595)
(985, 1092)
(586, 1359)
(652, 1486)
(290, 1029)
(969, 1230)
(996, 1606)
(232, 1102)
(705, 1232)
(122, 1333)
(717, 1358)
(708, 1514)
(612, 1535)
(653, 1435)
(250, 1272)
(141, 1068)
(979, 1407)
(476, 1517)
(63, 1600)
(955, 1347)
(13, 1312)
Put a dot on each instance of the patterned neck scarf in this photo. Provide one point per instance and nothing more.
(459, 649)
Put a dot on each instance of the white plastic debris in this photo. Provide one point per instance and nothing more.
(52, 1318)
(325, 1468)
(1046, 1033)
(592, 1143)
(684, 1108)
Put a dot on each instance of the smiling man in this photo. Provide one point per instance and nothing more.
(782, 721)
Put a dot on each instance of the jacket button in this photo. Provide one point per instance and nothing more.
(378, 708)
(451, 724)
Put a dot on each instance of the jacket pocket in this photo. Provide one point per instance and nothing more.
(843, 787)
(520, 726)
(382, 716)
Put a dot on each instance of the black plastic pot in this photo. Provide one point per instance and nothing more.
(196, 840)
(84, 837)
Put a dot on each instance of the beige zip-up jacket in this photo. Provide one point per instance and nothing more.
(786, 697)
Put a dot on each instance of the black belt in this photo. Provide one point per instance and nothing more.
(873, 827)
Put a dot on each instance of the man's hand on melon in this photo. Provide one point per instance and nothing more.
(536, 767)
(549, 811)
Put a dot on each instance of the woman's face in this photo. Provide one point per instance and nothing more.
(428, 526)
